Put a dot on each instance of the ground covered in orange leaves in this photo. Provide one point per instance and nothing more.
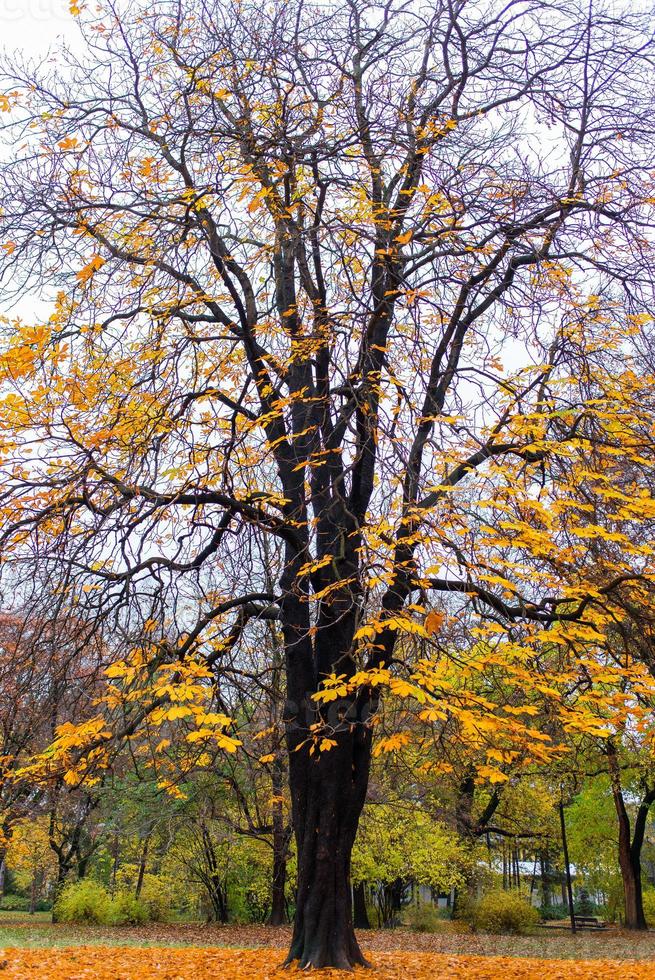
(130, 963)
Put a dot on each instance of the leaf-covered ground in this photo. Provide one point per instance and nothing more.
(21, 930)
(130, 963)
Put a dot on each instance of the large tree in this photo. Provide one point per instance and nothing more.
(291, 243)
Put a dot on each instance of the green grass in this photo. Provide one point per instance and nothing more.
(19, 929)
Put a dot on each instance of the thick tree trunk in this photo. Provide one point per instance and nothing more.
(329, 744)
(328, 791)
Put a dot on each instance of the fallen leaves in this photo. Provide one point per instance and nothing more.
(103, 963)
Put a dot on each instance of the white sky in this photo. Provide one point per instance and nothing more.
(34, 25)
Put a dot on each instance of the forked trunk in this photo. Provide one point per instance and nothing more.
(328, 795)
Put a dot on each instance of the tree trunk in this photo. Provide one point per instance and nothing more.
(632, 890)
(327, 791)
(142, 867)
(115, 862)
(630, 844)
(212, 878)
(360, 912)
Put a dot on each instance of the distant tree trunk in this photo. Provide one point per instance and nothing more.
(116, 848)
(35, 889)
(546, 890)
(3, 871)
(281, 841)
(630, 849)
(212, 879)
(360, 912)
(142, 866)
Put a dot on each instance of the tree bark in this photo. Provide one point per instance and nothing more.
(630, 845)
(281, 839)
(278, 916)
(212, 879)
(142, 867)
(328, 791)
(632, 890)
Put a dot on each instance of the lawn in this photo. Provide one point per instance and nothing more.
(33, 946)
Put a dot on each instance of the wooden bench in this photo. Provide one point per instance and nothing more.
(589, 922)
(581, 922)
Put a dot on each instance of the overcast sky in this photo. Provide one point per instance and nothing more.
(34, 25)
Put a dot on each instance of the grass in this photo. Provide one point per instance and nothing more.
(18, 929)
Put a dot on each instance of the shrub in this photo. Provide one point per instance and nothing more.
(649, 906)
(14, 903)
(158, 898)
(554, 912)
(126, 910)
(82, 901)
(503, 912)
(423, 918)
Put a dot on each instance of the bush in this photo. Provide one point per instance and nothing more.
(423, 918)
(14, 903)
(158, 898)
(86, 901)
(503, 912)
(82, 901)
(126, 910)
(649, 906)
(554, 912)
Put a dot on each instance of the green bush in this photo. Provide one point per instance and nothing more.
(551, 913)
(126, 910)
(423, 918)
(86, 901)
(503, 912)
(649, 906)
(14, 903)
(158, 898)
(82, 901)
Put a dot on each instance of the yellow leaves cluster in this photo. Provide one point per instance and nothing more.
(86, 274)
